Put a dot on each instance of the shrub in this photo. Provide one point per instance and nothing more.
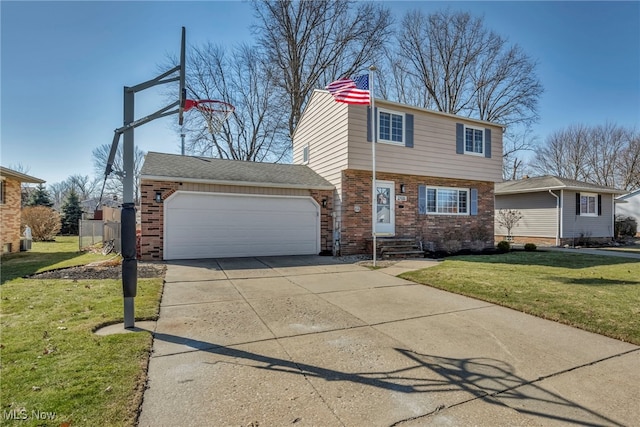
(625, 226)
(44, 222)
(530, 247)
(503, 246)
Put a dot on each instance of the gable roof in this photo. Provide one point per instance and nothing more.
(174, 167)
(548, 182)
(392, 104)
(19, 176)
(629, 195)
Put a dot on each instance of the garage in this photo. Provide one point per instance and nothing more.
(220, 225)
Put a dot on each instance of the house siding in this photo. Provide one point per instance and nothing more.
(152, 213)
(539, 214)
(434, 231)
(434, 148)
(10, 216)
(578, 226)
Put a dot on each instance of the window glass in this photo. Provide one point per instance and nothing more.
(473, 140)
(390, 127)
(447, 201)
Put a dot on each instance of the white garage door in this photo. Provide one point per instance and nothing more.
(216, 225)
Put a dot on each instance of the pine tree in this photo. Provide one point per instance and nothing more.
(40, 197)
(71, 213)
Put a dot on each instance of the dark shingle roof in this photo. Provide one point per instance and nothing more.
(548, 182)
(233, 172)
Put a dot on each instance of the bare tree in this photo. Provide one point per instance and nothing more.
(114, 183)
(467, 69)
(606, 154)
(313, 42)
(629, 163)
(514, 144)
(257, 129)
(508, 218)
(564, 154)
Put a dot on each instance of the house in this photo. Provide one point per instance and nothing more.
(629, 205)
(557, 211)
(10, 207)
(435, 172)
(199, 207)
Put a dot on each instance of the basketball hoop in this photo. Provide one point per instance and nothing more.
(214, 112)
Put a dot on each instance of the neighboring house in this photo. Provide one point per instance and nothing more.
(435, 172)
(198, 207)
(629, 205)
(10, 207)
(557, 211)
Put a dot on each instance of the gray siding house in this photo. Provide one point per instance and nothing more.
(557, 211)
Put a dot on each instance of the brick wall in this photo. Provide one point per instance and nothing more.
(10, 215)
(435, 231)
(152, 217)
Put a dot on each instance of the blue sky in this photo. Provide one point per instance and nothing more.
(64, 65)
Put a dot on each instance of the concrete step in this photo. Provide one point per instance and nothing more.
(403, 254)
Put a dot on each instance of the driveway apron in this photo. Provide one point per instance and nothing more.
(313, 341)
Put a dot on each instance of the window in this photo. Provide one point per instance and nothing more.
(588, 204)
(473, 140)
(391, 127)
(2, 195)
(305, 154)
(447, 201)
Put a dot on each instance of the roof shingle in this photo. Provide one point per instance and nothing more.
(205, 169)
(549, 182)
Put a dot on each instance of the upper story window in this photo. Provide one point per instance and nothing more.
(588, 204)
(305, 154)
(390, 127)
(473, 140)
(2, 189)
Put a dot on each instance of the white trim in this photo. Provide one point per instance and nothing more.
(392, 207)
(235, 183)
(467, 190)
(404, 127)
(595, 196)
(464, 140)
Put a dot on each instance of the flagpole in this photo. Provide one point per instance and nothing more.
(374, 217)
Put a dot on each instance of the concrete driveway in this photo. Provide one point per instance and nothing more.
(311, 341)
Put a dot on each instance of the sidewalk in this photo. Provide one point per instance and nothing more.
(309, 341)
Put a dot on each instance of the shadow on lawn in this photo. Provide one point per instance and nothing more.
(23, 264)
(490, 380)
(550, 259)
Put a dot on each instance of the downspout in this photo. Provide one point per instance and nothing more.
(557, 217)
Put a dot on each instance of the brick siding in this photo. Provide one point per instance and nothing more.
(10, 215)
(437, 232)
(152, 217)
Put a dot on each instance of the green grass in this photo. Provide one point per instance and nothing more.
(596, 293)
(52, 361)
(61, 253)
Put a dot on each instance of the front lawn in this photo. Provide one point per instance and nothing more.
(596, 293)
(53, 365)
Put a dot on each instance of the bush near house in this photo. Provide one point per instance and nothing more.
(44, 222)
(530, 247)
(625, 226)
(503, 246)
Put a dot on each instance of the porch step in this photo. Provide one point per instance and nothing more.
(397, 248)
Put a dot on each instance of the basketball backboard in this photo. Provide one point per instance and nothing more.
(182, 94)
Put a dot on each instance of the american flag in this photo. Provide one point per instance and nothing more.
(351, 91)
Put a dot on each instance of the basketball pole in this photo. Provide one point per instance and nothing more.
(128, 217)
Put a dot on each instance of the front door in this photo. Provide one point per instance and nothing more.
(385, 208)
